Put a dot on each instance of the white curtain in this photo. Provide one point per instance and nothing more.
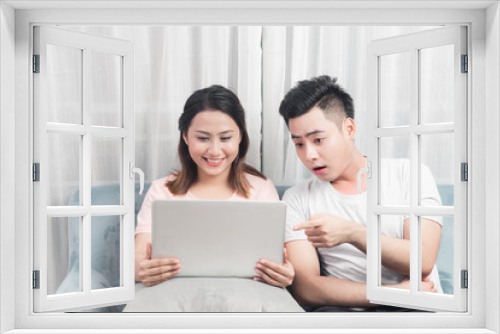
(171, 62)
(291, 54)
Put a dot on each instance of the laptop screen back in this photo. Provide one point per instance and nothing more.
(218, 238)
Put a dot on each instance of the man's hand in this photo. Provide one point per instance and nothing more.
(326, 230)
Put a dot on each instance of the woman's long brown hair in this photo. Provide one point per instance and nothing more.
(216, 98)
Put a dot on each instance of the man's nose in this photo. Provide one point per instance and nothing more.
(311, 153)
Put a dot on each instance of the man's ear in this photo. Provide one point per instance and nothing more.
(349, 128)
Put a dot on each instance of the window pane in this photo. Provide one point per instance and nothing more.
(443, 273)
(393, 226)
(106, 89)
(63, 169)
(63, 255)
(395, 89)
(394, 152)
(106, 242)
(64, 84)
(436, 84)
(106, 170)
(437, 168)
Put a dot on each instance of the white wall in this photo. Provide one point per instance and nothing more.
(7, 124)
(480, 122)
(493, 162)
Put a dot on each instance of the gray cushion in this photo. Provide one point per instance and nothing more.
(212, 295)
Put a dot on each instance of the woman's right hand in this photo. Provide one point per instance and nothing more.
(155, 271)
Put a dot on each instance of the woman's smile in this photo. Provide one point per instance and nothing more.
(214, 162)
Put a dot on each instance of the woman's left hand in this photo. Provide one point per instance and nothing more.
(280, 275)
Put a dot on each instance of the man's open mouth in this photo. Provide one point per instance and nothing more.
(319, 170)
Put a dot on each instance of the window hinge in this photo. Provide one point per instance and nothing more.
(36, 63)
(36, 172)
(465, 279)
(36, 279)
(465, 64)
(464, 171)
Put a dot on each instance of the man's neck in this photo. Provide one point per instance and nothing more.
(347, 183)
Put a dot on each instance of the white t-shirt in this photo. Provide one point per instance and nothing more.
(345, 261)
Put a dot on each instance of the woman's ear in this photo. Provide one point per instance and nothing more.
(349, 128)
(184, 137)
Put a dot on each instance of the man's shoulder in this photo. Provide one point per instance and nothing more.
(305, 188)
(399, 163)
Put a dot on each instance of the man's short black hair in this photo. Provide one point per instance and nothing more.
(322, 91)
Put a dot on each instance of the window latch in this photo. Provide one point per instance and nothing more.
(134, 170)
(367, 170)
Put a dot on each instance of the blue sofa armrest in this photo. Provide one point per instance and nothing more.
(105, 242)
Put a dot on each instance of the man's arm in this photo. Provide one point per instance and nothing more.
(396, 252)
(325, 230)
(310, 288)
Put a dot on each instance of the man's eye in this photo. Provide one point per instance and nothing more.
(298, 144)
(318, 140)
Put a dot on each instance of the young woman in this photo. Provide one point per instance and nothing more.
(212, 147)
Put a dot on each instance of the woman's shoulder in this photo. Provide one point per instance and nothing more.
(159, 185)
(165, 179)
(258, 181)
(261, 188)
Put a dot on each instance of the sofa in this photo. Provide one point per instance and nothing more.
(106, 243)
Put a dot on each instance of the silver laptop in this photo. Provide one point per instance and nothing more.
(218, 238)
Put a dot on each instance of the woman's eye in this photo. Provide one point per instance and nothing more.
(318, 140)
(298, 144)
(226, 138)
(203, 138)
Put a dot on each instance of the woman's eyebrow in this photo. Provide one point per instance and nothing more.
(220, 133)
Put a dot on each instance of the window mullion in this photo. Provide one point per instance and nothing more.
(414, 160)
(85, 236)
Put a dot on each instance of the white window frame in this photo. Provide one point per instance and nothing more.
(412, 44)
(484, 212)
(85, 297)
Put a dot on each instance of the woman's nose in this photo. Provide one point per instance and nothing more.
(214, 149)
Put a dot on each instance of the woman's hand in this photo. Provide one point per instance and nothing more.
(155, 271)
(280, 275)
(427, 285)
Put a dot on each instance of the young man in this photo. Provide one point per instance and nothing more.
(326, 216)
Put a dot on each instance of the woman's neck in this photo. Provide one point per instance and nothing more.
(212, 187)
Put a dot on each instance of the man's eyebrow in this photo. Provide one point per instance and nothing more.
(308, 134)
